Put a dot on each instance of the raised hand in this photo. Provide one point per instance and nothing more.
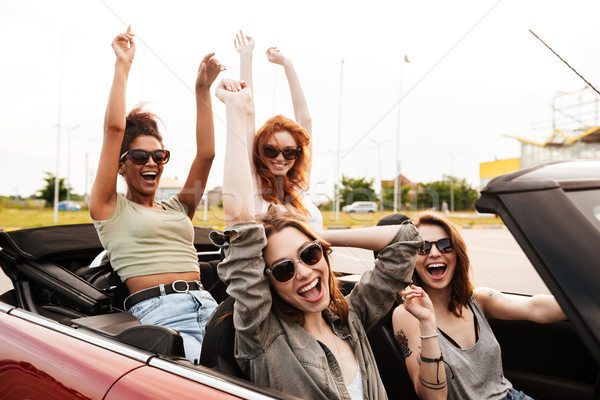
(418, 303)
(274, 55)
(230, 90)
(243, 44)
(208, 71)
(124, 46)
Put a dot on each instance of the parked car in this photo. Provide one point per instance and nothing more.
(64, 334)
(68, 206)
(361, 207)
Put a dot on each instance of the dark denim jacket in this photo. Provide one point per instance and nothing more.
(280, 354)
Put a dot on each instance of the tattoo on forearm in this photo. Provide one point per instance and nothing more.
(402, 341)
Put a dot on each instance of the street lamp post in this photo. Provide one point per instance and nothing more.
(452, 181)
(339, 144)
(69, 130)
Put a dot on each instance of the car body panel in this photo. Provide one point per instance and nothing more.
(163, 385)
(36, 362)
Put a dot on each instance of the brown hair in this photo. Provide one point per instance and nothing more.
(275, 220)
(296, 177)
(139, 123)
(461, 285)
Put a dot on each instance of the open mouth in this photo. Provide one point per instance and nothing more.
(312, 291)
(149, 177)
(436, 270)
(279, 165)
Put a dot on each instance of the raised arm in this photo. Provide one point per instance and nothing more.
(195, 184)
(371, 238)
(301, 112)
(245, 46)
(415, 331)
(103, 198)
(540, 308)
(237, 180)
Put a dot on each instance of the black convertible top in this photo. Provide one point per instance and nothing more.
(38, 243)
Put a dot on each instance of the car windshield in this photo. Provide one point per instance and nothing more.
(588, 201)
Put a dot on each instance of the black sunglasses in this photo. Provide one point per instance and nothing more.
(288, 153)
(443, 245)
(285, 270)
(141, 157)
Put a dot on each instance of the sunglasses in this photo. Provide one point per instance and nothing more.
(285, 270)
(141, 157)
(288, 153)
(443, 245)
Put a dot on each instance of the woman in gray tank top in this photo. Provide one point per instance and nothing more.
(470, 352)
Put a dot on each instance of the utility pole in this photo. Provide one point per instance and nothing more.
(398, 185)
(339, 144)
(68, 183)
(57, 176)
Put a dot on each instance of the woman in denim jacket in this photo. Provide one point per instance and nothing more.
(294, 330)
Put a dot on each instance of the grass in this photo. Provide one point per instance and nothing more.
(11, 219)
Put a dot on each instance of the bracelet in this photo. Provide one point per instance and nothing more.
(429, 336)
(431, 360)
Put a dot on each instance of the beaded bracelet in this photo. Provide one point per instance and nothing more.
(429, 336)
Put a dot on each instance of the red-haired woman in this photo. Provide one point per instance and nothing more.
(149, 243)
(470, 351)
(281, 150)
(294, 330)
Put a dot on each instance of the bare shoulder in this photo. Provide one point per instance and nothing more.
(486, 296)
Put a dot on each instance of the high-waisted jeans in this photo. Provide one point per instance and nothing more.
(187, 313)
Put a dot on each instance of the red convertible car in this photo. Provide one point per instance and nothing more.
(64, 334)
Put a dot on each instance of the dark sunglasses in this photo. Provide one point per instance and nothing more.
(443, 245)
(141, 157)
(285, 270)
(288, 154)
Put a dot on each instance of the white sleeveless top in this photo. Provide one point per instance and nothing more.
(314, 214)
(355, 388)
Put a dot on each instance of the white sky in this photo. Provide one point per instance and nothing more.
(470, 79)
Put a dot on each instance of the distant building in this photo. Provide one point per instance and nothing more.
(575, 134)
(167, 188)
(214, 196)
(402, 181)
(560, 146)
(492, 169)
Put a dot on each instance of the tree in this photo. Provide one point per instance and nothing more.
(47, 193)
(356, 190)
(388, 195)
(434, 193)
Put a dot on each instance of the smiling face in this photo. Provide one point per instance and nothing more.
(142, 180)
(281, 140)
(308, 290)
(435, 269)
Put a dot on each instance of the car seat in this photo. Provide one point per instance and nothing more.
(390, 362)
(218, 346)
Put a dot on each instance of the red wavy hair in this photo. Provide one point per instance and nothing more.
(296, 178)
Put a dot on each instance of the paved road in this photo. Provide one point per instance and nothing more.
(496, 259)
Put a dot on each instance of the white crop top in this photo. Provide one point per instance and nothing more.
(314, 214)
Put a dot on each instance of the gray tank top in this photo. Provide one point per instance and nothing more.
(477, 370)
